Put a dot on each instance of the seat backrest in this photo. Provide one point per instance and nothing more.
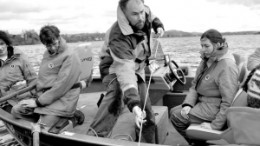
(85, 55)
(241, 63)
(240, 99)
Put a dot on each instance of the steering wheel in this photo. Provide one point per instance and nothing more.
(177, 72)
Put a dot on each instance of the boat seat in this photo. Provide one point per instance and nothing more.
(125, 127)
(194, 131)
(241, 63)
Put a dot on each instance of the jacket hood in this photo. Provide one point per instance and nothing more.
(123, 22)
(63, 45)
(226, 56)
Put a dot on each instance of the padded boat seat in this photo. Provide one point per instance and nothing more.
(125, 127)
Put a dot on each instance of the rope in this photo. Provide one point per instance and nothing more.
(146, 95)
(93, 131)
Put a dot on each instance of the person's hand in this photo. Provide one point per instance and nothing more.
(160, 32)
(184, 112)
(153, 66)
(139, 116)
(206, 125)
(19, 85)
(28, 103)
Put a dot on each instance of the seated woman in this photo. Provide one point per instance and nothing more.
(56, 95)
(15, 70)
(213, 88)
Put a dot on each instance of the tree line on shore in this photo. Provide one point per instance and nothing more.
(30, 37)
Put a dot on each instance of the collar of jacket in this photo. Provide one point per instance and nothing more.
(227, 55)
(124, 24)
(15, 55)
(219, 55)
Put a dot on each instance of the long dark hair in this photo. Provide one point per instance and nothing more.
(5, 37)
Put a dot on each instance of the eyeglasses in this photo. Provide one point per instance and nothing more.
(54, 44)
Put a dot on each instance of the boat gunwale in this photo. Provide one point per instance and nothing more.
(8, 118)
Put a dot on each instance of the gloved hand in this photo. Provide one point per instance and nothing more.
(153, 66)
(206, 125)
(139, 116)
(160, 32)
(19, 85)
(185, 111)
(31, 103)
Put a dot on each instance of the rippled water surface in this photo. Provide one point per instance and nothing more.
(183, 50)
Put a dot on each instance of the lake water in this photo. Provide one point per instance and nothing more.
(184, 50)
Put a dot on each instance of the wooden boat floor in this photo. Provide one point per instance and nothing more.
(88, 105)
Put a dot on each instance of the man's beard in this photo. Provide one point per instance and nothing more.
(139, 25)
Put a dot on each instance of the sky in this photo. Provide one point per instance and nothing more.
(89, 16)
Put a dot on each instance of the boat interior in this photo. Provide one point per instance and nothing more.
(164, 95)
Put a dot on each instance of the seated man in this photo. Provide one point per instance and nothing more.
(55, 95)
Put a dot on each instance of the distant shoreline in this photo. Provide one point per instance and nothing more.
(30, 37)
(177, 33)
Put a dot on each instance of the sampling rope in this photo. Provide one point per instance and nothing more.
(146, 95)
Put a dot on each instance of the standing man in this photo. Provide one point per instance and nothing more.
(59, 70)
(124, 56)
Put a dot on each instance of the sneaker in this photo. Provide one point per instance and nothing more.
(79, 116)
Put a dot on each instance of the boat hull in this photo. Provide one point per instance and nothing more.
(21, 129)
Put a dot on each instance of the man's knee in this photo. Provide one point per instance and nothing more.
(175, 113)
(177, 119)
(48, 120)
